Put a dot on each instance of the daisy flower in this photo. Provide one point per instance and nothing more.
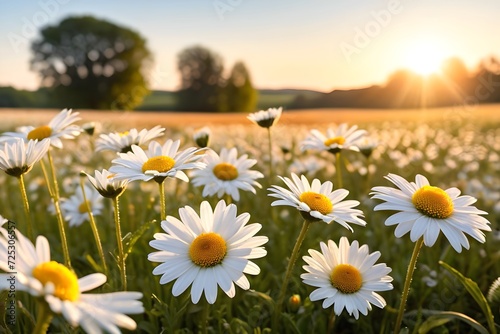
(209, 250)
(17, 157)
(75, 208)
(158, 162)
(346, 277)
(122, 141)
(202, 136)
(425, 211)
(366, 146)
(226, 174)
(266, 118)
(63, 291)
(317, 201)
(60, 127)
(106, 185)
(342, 138)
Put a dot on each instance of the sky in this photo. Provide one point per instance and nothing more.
(307, 44)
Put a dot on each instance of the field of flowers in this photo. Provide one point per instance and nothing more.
(239, 268)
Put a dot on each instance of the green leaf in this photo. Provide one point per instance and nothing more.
(439, 318)
(476, 293)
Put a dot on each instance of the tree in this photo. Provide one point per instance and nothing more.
(240, 94)
(455, 70)
(92, 63)
(201, 80)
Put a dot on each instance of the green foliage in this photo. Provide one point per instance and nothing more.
(92, 63)
(201, 80)
(476, 293)
(440, 318)
(240, 94)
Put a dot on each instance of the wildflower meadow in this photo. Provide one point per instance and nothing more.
(366, 227)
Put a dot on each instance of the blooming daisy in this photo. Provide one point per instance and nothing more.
(425, 211)
(209, 250)
(202, 136)
(342, 138)
(317, 201)
(266, 118)
(63, 291)
(346, 277)
(75, 208)
(106, 185)
(18, 157)
(122, 141)
(158, 162)
(226, 174)
(61, 126)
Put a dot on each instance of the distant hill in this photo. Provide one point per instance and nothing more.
(454, 85)
(268, 98)
(403, 89)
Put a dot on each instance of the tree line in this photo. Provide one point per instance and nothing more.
(85, 62)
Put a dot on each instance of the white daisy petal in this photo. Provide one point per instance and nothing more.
(426, 210)
(208, 250)
(342, 138)
(350, 261)
(65, 293)
(227, 174)
(317, 201)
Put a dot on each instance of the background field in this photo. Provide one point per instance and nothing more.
(452, 147)
(322, 117)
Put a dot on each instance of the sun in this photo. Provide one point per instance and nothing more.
(424, 56)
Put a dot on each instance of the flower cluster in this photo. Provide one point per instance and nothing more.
(208, 242)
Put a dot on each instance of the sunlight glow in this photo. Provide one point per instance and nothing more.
(425, 56)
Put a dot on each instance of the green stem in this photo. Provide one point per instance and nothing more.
(93, 226)
(331, 321)
(229, 199)
(47, 179)
(44, 317)
(121, 256)
(26, 205)
(270, 153)
(54, 178)
(406, 287)
(368, 175)
(338, 170)
(204, 317)
(163, 214)
(54, 192)
(289, 269)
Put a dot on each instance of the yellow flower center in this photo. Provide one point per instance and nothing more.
(317, 202)
(123, 134)
(225, 171)
(64, 280)
(40, 133)
(346, 278)
(335, 140)
(433, 202)
(160, 163)
(82, 208)
(208, 250)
